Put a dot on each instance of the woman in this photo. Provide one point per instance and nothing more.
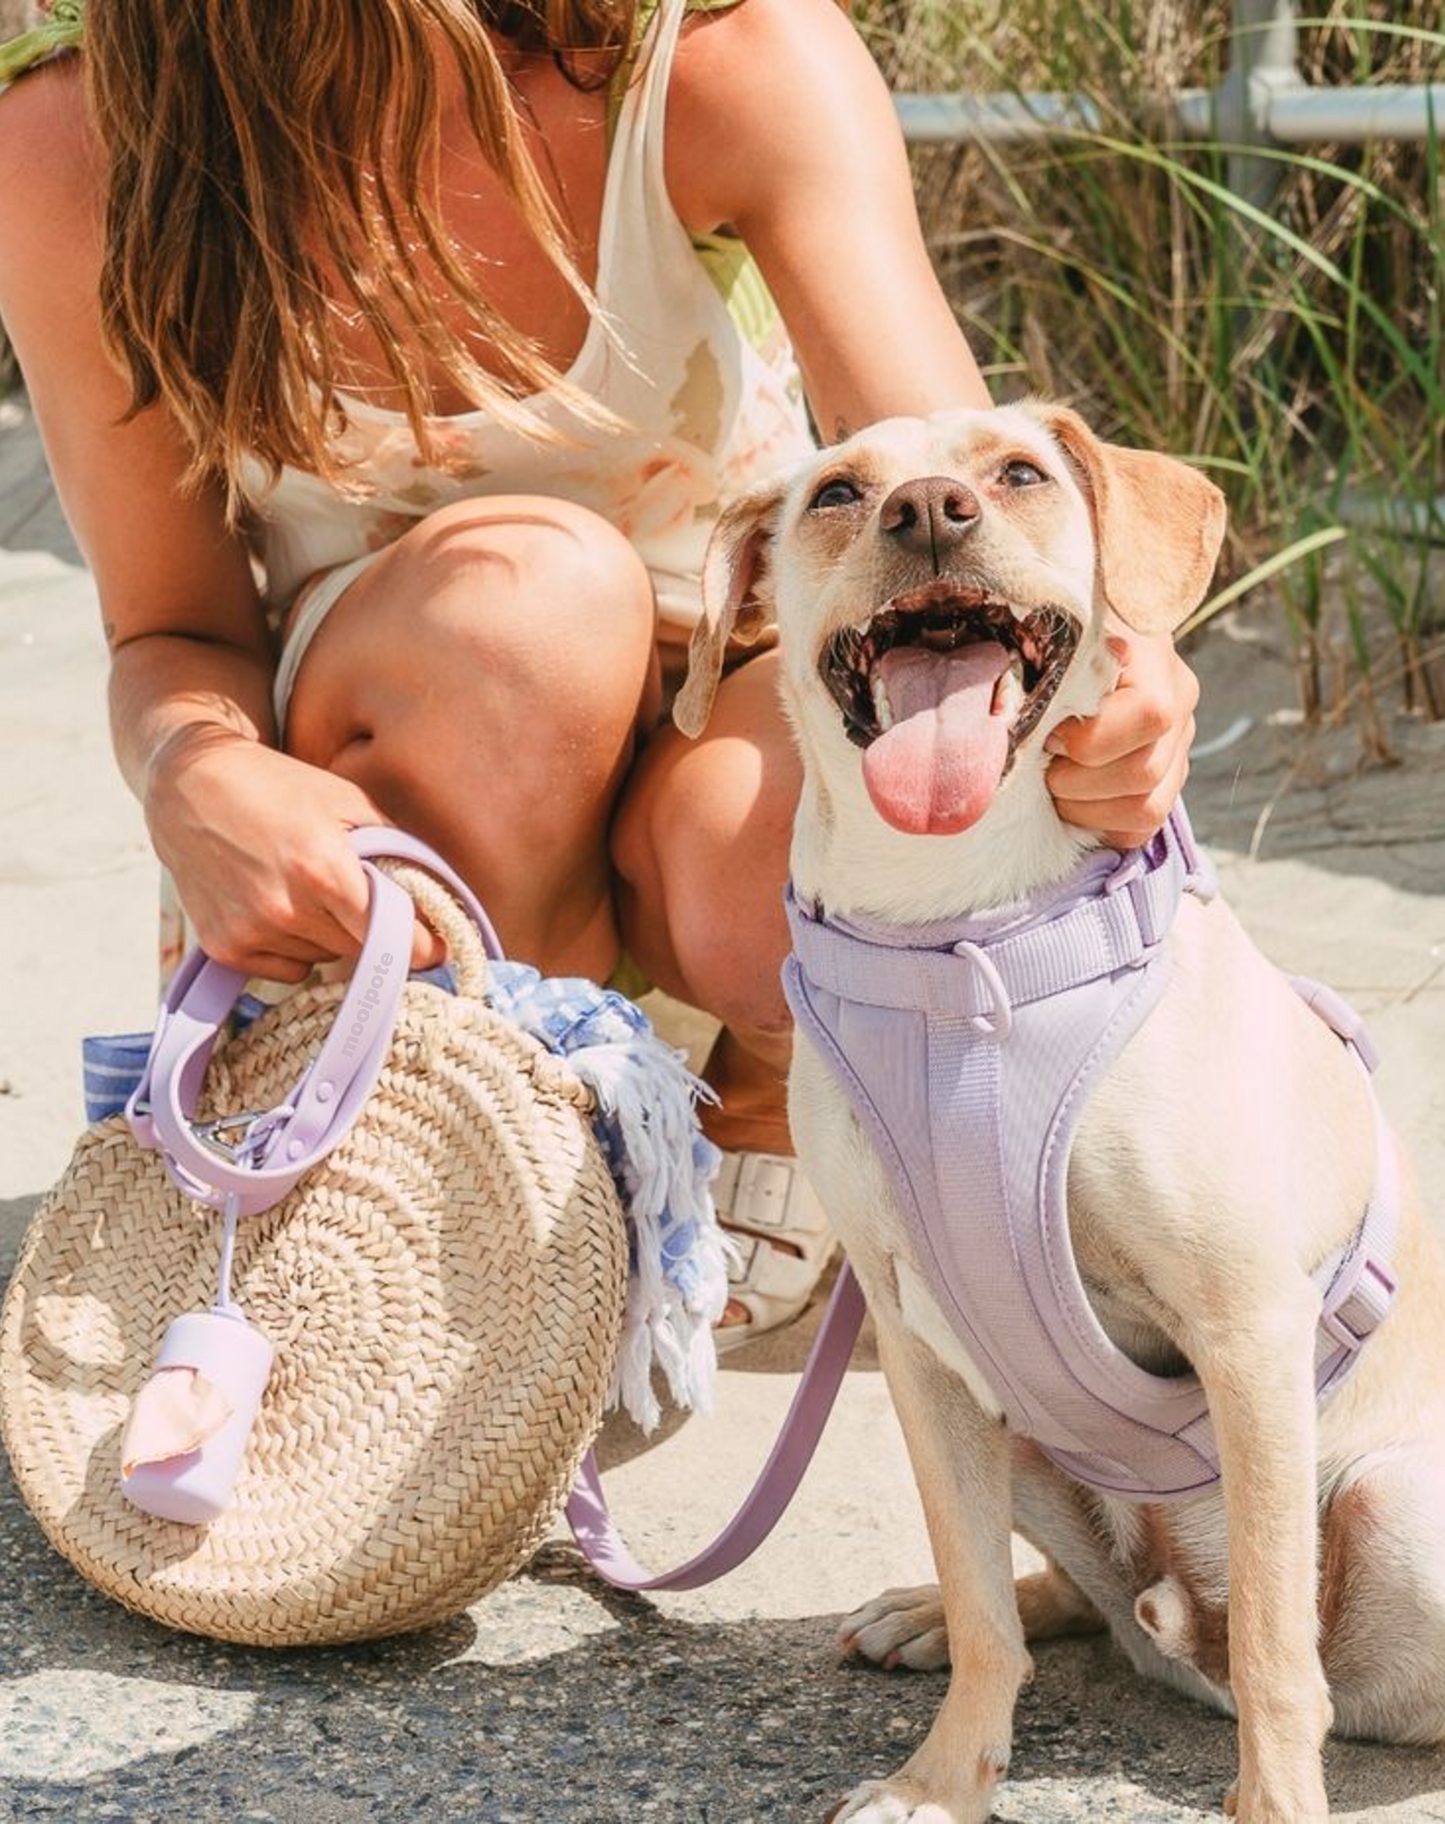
(412, 342)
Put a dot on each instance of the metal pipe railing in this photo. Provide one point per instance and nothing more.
(1287, 114)
(1262, 103)
(934, 120)
(1297, 114)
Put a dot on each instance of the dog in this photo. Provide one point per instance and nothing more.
(941, 590)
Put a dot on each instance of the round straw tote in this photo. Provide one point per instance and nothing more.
(445, 1294)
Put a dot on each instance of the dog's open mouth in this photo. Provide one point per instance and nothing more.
(940, 689)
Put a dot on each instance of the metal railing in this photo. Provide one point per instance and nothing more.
(1262, 105)
(1263, 102)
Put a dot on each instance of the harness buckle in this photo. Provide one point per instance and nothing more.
(1357, 1317)
(998, 1023)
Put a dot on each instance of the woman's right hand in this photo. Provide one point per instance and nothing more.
(257, 845)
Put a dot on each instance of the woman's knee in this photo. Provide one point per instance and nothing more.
(515, 557)
(520, 625)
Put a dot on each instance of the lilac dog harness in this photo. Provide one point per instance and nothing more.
(968, 1050)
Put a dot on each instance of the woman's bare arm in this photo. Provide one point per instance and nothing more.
(780, 124)
(163, 563)
(255, 839)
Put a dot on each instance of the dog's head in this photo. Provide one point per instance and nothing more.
(939, 585)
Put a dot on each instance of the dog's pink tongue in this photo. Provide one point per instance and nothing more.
(935, 771)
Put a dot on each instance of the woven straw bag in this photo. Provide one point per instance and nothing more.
(445, 1293)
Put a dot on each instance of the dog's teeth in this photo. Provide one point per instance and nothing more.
(1009, 694)
(881, 707)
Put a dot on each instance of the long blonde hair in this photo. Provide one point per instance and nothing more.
(254, 144)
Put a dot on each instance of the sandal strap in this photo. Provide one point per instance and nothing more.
(767, 1194)
(763, 1271)
(779, 1241)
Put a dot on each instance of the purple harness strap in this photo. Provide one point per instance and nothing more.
(968, 1050)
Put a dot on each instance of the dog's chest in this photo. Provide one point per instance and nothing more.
(967, 1057)
(859, 1193)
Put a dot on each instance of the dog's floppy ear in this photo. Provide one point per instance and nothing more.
(737, 601)
(1158, 524)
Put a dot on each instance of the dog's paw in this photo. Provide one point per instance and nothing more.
(1250, 1803)
(898, 1628)
(896, 1801)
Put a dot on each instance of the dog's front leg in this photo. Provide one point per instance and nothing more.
(961, 1460)
(1257, 1366)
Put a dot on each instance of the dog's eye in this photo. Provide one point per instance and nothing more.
(836, 493)
(1021, 474)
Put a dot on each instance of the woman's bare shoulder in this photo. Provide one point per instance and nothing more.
(50, 170)
(757, 88)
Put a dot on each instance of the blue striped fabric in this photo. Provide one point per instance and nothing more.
(113, 1066)
(114, 1062)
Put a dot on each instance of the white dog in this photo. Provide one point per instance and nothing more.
(940, 589)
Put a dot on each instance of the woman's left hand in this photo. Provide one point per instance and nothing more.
(1121, 771)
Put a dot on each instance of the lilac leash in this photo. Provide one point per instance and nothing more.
(767, 1501)
(275, 1147)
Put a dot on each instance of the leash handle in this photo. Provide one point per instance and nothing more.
(277, 1146)
(593, 1527)
(280, 1145)
(380, 843)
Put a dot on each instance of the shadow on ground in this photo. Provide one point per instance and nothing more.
(1280, 789)
(500, 1717)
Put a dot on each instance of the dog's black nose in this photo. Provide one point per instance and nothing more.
(930, 515)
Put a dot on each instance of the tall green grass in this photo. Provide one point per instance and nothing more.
(1296, 351)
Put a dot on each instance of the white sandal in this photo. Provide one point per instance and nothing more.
(764, 1200)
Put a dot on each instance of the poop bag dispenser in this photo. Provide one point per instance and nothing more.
(191, 1422)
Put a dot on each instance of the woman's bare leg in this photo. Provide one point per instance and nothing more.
(701, 849)
(484, 681)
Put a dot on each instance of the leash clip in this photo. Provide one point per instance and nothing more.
(252, 1126)
(999, 1022)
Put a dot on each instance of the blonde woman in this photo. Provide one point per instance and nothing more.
(392, 361)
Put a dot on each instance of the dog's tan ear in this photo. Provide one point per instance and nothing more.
(737, 602)
(1158, 524)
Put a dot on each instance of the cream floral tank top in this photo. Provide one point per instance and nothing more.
(692, 362)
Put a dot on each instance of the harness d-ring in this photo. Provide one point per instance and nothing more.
(1001, 1023)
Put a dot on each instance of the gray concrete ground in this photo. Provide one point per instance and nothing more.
(555, 1699)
